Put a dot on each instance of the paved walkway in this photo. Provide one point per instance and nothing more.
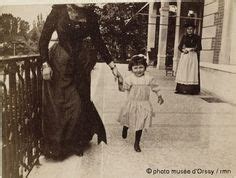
(188, 134)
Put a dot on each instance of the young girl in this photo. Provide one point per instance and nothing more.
(137, 111)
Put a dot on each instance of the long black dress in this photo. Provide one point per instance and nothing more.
(69, 117)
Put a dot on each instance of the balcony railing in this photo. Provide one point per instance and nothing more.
(21, 83)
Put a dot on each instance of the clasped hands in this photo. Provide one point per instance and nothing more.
(187, 50)
(115, 71)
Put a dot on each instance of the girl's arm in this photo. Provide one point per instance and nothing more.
(160, 99)
(123, 85)
(120, 84)
(156, 89)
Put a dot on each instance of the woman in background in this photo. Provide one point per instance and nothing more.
(188, 73)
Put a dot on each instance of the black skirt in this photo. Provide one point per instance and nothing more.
(187, 89)
(69, 117)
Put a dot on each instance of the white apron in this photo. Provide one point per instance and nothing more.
(187, 71)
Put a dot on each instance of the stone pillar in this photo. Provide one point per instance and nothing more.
(177, 28)
(163, 30)
(151, 27)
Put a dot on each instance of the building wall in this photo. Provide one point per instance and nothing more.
(232, 52)
(212, 30)
(219, 80)
(218, 57)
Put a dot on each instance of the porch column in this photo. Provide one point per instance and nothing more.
(151, 27)
(163, 30)
(177, 28)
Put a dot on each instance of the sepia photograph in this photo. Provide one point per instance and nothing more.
(118, 89)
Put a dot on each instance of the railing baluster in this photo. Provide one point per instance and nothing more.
(13, 124)
(5, 116)
(39, 109)
(20, 122)
(21, 111)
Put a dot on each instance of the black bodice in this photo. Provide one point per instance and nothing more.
(192, 41)
(72, 33)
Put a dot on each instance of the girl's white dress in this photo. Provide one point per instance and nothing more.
(137, 111)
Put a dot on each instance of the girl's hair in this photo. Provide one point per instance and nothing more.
(139, 59)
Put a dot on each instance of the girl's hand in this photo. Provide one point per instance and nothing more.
(160, 100)
(46, 71)
(120, 79)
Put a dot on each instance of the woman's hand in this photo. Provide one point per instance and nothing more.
(185, 51)
(193, 49)
(46, 71)
(115, 72)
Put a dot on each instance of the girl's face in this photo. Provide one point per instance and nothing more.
(138, 70)
(190, 30)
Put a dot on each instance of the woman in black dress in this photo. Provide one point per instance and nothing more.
(69, 117)
(188, 73)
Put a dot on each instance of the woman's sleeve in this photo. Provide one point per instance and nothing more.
(98, 41)
(199, 44)
(154, 86)
(181, 44)
(48, 29)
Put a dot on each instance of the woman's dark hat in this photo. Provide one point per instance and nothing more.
(189, 24)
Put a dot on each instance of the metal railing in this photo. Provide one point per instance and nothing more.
(21, 86)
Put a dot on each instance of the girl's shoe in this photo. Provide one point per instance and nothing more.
(124, 132)
(137, 147)
(138, 135)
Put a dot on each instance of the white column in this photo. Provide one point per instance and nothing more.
(163, 30)
(177, 28)
(224, 57)
(151, 27)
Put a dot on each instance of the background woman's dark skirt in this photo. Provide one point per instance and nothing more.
(187, 89)
(70, 119)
